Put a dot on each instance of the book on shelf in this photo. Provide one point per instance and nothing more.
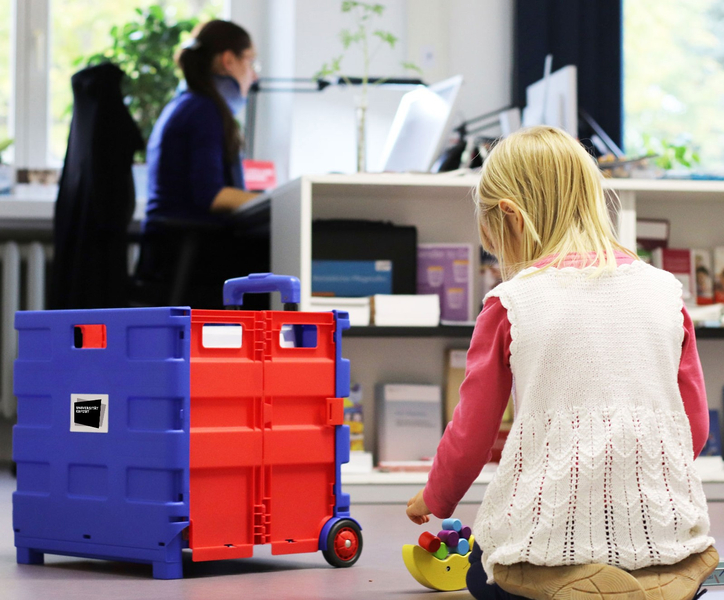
(354, 418)
(405, 310)
(409, 421)
(679, 262)
(703, 275)
(359, 460)
(447, 270)
(455, 374)
(718, 273)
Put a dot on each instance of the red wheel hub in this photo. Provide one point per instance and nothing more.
(346, 543)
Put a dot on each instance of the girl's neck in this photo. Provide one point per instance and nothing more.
(578, 260)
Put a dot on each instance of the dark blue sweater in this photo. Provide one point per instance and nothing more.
(185, 155)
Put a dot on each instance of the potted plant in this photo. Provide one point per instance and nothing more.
(144, 50)
(668, 155)
(363, 35)
(6, 170)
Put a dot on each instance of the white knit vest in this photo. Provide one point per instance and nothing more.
(598, 466)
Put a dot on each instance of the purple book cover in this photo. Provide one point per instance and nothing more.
(446, 270)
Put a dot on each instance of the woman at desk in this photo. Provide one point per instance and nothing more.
(194, 164)
(195, 176)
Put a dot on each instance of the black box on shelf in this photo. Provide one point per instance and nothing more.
(338, 240)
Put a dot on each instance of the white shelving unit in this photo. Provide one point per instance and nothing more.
(441, 207)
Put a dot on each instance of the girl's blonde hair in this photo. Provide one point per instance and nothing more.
(556, 185)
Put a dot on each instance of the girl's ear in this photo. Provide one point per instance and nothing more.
(512, 214)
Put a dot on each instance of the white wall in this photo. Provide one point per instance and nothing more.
(315, 133)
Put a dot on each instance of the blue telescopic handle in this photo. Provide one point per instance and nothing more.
(261, 283)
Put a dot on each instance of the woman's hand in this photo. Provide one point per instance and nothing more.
(230, 198)
(417, 510)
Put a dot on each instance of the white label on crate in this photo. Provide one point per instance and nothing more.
(89, 413)
(383, 265)
(221, 335)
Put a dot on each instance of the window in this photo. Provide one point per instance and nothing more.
(5, 71)
(674, 76)
(79, 28)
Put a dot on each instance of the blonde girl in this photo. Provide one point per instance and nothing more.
(596, 494)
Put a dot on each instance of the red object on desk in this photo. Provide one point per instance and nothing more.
(259, 175)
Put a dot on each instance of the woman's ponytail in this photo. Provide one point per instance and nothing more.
(196, 60)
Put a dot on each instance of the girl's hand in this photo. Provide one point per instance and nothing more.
(417, 510)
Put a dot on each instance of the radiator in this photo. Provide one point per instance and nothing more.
(23, 288)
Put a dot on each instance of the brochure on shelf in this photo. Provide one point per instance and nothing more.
(405, 310)
(409, 421)
(447, 270)
(351, 278)
(357, 308)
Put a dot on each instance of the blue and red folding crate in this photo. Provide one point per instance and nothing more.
(145, 431)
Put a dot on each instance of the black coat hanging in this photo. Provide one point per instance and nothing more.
(96, 197)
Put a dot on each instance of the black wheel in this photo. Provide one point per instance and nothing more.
(344, 544)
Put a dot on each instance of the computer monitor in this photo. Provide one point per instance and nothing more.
(421, 126)
(553, 100)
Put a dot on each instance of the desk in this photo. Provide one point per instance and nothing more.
(30, 216)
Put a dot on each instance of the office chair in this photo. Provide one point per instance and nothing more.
(184, 262)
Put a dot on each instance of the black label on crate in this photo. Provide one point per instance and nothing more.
(89, 413)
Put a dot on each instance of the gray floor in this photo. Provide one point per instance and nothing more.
(380, 572)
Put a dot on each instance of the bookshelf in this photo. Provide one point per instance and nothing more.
(441, 207)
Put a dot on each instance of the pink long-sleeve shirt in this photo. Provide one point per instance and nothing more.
(466, 445)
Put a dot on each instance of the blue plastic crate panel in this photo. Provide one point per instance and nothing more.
(102, 438)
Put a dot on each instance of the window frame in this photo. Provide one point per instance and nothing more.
(29, 119)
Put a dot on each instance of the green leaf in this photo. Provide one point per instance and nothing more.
(156, 11)
(348, 38)
(345, 36)
(412, 67)
(386, 37)
(347, 6)
(5, 144)
(327, 70)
